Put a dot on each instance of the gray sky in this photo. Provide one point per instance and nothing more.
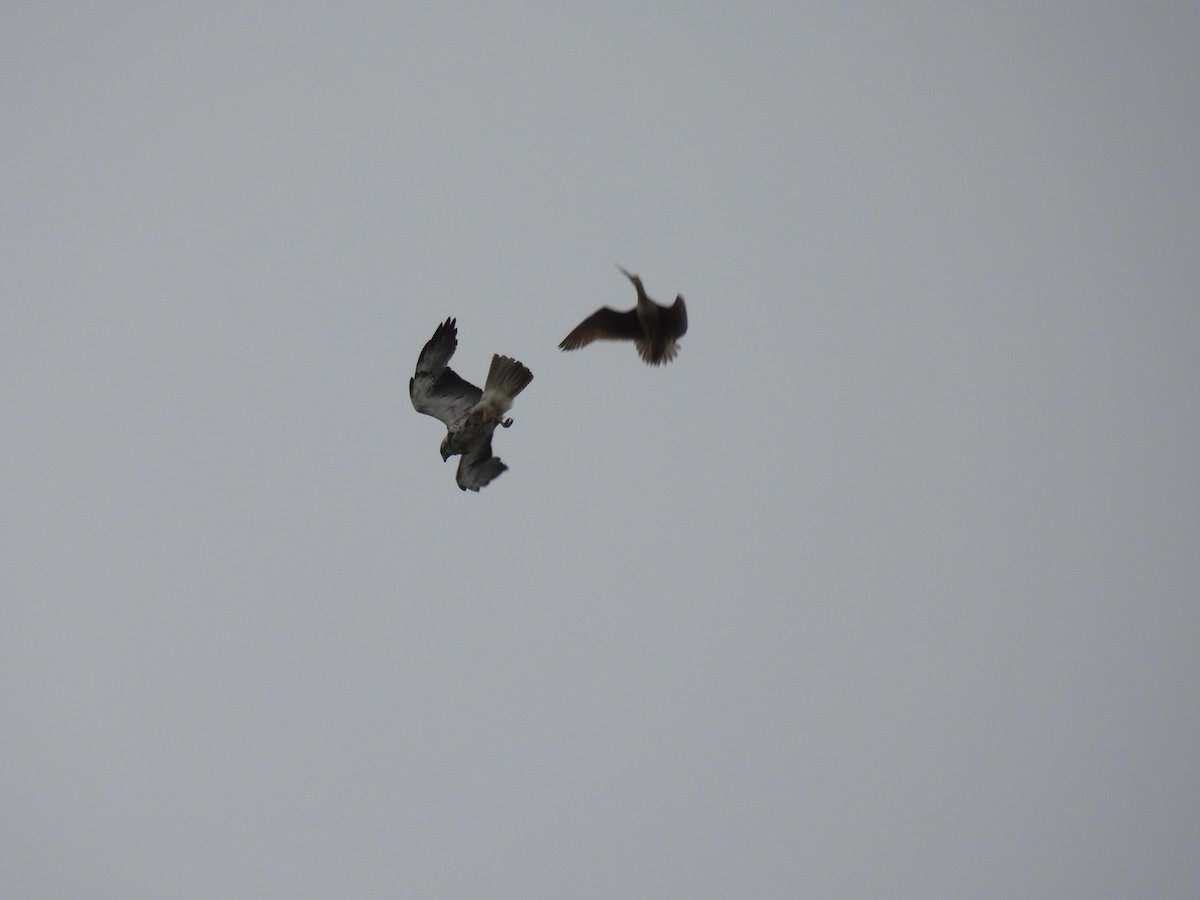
(886, 587)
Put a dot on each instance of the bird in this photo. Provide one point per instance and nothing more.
(653, 328)
(469, 414)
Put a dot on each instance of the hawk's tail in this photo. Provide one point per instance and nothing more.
(507, 377)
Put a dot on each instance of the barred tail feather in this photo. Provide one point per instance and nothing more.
(507, 376)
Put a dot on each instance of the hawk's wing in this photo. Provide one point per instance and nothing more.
(604, 325)
(477, 467)
(674, 318)
(436, 389)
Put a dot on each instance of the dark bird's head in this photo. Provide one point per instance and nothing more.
(637, 282)
(447, 450)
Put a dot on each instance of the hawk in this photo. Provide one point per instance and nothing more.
(653, 328)
(469, 414)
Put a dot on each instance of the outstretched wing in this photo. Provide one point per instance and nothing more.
(477, 467)
(604, 325)
(674, 318)
(436, 389)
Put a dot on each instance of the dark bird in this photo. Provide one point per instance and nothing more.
(469, 414)
(653, 328)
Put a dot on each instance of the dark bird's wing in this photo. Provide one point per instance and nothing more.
(604, 325)
(477, 467)
(435, 388)
(674, 318)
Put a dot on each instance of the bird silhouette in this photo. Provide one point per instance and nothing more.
(653, 328)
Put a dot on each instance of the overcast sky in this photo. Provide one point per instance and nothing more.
(886, 587)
